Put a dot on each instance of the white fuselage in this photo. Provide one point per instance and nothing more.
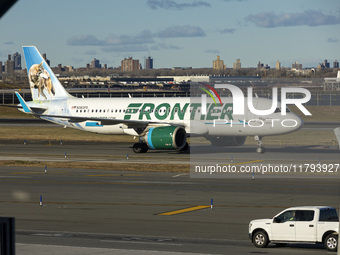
(218, 121)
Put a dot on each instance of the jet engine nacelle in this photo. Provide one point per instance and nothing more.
(227, 140)
(166, 138)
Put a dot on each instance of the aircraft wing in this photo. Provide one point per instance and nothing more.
(139, 126)
(75, 119)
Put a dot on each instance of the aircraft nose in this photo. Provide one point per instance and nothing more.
(298, 120)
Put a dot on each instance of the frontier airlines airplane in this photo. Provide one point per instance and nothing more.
(160, 123)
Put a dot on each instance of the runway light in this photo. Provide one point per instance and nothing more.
(253, 177)
(127, 156)
(45, 169)
(211, 204)
(231, 159)
(65, 155)
(25, 143)
(40, 201)
(61, 142)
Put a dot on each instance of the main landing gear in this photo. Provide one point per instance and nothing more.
(259, 148)
(140, 147)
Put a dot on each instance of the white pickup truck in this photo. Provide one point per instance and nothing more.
(306, 224)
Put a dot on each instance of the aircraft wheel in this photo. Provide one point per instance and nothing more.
(145, 147)
(137, 148)
(260, 149)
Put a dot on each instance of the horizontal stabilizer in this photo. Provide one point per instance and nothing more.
(23, 103)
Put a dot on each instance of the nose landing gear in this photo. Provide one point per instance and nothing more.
(259, 148)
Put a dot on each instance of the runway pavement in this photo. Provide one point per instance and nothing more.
(120, 212)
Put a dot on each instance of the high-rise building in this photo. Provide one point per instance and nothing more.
(17, 61)
(218, 64)
(0, 67)
(297, 66)
(326, 64)
(336, 64)
(149, 63)
(95, 63)
(278, 65)
(129, 65)
(9, 65)
(237, 65)
(47, 60)
(260, 65)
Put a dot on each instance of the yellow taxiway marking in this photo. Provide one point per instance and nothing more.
(247, 162)
(190, 209)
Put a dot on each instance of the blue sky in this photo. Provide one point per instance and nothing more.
(175, 32)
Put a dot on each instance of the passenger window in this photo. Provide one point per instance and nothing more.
(328, 214)
(305, 215)
(286, 216)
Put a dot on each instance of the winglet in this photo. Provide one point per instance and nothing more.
(23, 103)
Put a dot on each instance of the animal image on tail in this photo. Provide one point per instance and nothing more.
(40, 79)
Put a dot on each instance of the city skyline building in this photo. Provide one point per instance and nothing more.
(278, 65)
(130, 65)
(149, 63)
(218, 64)
(17, 61)
(297, 66)
(237, 64)
(95, 63)
(260, 65)
(9, 65)
(47, 60)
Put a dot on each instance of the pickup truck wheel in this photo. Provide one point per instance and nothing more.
(331, 242)
(260, 239)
